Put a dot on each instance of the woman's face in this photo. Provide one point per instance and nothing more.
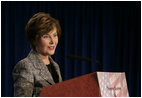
(46, 45)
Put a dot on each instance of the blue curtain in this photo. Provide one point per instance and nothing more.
(107, 35)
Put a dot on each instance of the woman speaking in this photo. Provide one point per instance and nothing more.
(38, 69)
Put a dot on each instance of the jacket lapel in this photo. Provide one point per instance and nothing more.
(38, 64)
(56, 66)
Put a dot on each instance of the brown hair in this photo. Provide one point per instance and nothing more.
(40, 24)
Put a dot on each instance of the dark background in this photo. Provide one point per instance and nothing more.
(109, 33)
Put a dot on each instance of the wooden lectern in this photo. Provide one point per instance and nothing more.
(86, 86)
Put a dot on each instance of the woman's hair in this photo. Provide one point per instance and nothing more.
(40, 24)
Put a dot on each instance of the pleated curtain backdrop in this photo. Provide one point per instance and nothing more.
(96, 36)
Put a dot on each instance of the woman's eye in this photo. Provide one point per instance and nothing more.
(55, 35)
(45, 36)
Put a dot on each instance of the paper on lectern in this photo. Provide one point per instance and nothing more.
(112, 84)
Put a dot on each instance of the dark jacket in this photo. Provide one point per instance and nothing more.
(31, 75)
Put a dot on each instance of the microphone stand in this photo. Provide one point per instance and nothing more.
(86, 59)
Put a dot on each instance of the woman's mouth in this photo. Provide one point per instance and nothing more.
(51, 47)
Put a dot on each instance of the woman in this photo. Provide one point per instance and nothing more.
(38, 69)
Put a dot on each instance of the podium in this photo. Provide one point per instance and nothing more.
(95, 84)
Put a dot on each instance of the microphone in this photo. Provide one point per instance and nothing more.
(86, 59)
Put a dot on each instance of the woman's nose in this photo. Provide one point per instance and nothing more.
(51, 40)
